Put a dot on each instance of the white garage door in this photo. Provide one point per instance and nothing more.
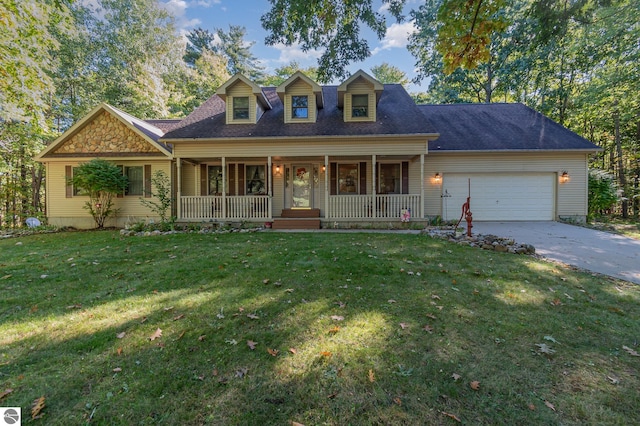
(522, 196)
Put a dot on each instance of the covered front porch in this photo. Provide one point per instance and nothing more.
(254, 189)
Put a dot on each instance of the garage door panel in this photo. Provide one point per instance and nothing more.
(526, 196)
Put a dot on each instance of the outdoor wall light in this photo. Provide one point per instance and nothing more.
(278, 173)
(564, 177)
(324, 168)
(437, 178)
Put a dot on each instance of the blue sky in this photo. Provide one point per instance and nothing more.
(211, 14)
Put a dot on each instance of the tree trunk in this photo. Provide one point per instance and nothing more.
(622, 179)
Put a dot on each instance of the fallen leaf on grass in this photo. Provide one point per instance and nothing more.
(121, 335)
(391, 301)
(334, 330)
(253, 316)
(435, 297)
(475, 385)
(119, 351)
(333, 395)
(341, 304)
(251, 344)
(266, 281)
(169, 308)
(431, 316)
(404, 325)
(241, 372)
(453, 416)
(296, 423)
(613, 380)
(326, 354)
(293, 350)
(178, 317)
(556, 302)
(428, 328)
(273, 352)
(202, 337)
(550, 405)
(5, 393)
(37, 407)
(397, 400)
(337, 318)
(6, 277)
(76, 306)
(545, 349)
(630, 351)
(456, 376)
(157, 334)
(372, 376)
(117, 370)
(532, 407)
(181, 335)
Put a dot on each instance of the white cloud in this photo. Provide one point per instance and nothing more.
(295, 53)
(397, 36)
(178, 9)
(205, 3)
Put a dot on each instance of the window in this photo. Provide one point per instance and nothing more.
(215, 180)
(256, 183)
(390, 179)
(348, 179)
(135, 175)
(78, 191)
(359, 105)
(299, 107)
(240, 108)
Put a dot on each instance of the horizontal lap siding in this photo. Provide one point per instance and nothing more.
(60, 206)
(571, 197)
(301, 147)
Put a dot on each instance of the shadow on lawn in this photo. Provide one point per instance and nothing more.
(379, 367)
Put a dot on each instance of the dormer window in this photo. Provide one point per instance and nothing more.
(299, 107)
(360, 105)
(241, 108)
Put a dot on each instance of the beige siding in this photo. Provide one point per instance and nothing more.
(360, 87)
(303, 147)
(299, 88)
(241, 90)
(64, 211)
(571, 196)
(189, 180)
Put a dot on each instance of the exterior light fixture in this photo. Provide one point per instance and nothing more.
(437, 178)
(324, 168)
(278, 173)
(564, 177)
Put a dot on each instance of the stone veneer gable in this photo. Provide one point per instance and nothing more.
(105, 134)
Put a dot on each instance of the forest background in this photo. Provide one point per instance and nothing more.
(575, 61)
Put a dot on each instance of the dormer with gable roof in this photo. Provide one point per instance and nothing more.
(358, 97)
(301, 97)
(245, 101)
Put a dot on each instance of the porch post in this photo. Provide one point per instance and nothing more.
(422, 186)
(270, 189)
(326, 187)
(179, 189)
(374, 209)
(224, 188)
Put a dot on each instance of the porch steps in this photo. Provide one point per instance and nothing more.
(300, 213)
(295, 223)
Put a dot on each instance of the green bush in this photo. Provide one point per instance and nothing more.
(603, 193)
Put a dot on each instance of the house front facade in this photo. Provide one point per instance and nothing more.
(330, 156)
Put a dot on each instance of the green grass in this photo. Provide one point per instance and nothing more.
(352, 307)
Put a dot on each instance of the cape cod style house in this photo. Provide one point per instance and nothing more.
(302, 154)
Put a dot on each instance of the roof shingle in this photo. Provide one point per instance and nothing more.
(498, 127)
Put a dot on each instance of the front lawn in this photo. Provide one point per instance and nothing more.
(316, 328)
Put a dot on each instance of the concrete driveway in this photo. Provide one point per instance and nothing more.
(596, 251)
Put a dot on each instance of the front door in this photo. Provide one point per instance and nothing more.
(302, 188)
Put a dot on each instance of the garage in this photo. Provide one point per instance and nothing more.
(500, 196)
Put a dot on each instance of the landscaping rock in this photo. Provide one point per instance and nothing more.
(485, 242)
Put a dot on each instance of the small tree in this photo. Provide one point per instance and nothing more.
(161, 191)
(101, 180)
(603, 192)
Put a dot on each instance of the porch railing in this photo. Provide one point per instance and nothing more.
(242, 207)
(387, 206)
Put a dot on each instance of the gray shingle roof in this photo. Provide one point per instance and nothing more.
(498, 127)
(397, 114)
